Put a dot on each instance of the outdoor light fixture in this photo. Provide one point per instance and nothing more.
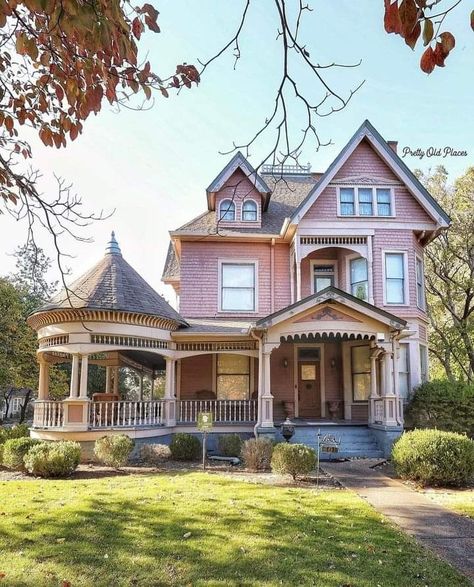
(333, 362)
(287, 430)
(285, 363)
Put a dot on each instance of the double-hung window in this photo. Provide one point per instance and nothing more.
(403, 371)
(347, 202)
(238, 287)
(249, 211)
(227, 210)
(359, 278)
(384, 202)
(323, 276)
(395, 278)
(233, 377)
(366, 207)
(420, 284)
(360, 362)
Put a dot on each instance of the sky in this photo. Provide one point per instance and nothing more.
(150, 168)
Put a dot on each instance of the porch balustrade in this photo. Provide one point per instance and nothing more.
(126, 414)
(48, 414)
(230, 411)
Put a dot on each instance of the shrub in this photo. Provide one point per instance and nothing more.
(257, 454)
(444, 405)
(185, 447)
(53, 459)
(114, 451)
(293, 459)
(229, 445)
(434, 457)
(155, 453)
(14, 451)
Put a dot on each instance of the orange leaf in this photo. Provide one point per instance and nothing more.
(448, 41)
(137, 27)
(428, 31)
(428, 60)
(392, 22)
(439, 55)
(412, 38)
(408, 15)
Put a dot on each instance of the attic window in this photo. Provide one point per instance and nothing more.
(365, 201)
(227, 210)
(249, 211)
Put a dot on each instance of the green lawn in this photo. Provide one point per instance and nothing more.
(460, 500)
(133, 530)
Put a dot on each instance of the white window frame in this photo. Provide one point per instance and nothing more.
(350, 258)
(253, 262)
(315, 262)
(242, 210)
(406, 285)
(420, 303)
(408, 371)
(374, 189)
(221, 203)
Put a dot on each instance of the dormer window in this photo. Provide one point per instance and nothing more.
(227, 210)
(365, 201)
(249, 211)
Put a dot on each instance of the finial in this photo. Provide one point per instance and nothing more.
(113, 246)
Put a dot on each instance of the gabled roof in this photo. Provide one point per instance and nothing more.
(238, 161)
(171, 271)
(113, 284)
(399, 168)
(332, 293)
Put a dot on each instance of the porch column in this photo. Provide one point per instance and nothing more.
(266, 398)
(140, 389)
(73, 390)
(116, 380)
(396, 382)
(373, 384)
(153, 386)
(170, 392)
(43, 384)
(84, 376)
(389, 398)
(298, 280)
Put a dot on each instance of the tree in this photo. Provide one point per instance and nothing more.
(449, 267)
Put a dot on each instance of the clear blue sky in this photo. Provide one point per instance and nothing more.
(152, 167)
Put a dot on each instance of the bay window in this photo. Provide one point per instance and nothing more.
(420, 284)
(395, 278)
(403, 371)
(233, 377)
(238, 287)
(359, 278)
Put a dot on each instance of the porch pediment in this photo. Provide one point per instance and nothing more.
(330, 312)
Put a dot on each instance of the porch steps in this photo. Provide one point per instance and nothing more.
(356, 441)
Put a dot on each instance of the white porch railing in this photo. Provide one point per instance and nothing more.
(230, 411)
(126, 414)
(48, 414)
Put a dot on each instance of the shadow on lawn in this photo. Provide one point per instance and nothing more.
(136, 535)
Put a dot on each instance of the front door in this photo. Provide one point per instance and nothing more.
(309, 389)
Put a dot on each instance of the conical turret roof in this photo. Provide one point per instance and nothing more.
(113, 284)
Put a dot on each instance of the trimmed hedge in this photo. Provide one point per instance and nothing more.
(53, 459)
(293, 459)
(434, 457)
(114, 451)
(185, 447)
(229, 445)
(444, 405)
(6, 433)
(14, 451)
(153, 454)
(257, 454)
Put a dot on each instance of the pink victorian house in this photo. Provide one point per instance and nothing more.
(301, 295)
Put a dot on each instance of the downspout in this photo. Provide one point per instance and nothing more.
(272, 276)
(260, 381)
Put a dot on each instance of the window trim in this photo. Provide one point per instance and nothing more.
(374, 189)
(228, 261)
(242, 210)
(406, 278)
(420, 303)
(315, 262)
(349, 259)
(220, 219)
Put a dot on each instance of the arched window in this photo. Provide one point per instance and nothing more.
(249, 211)
(227, 210)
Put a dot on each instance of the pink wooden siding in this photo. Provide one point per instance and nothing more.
(364, 161)
(282, 282)
(239, 188)
(282, 385)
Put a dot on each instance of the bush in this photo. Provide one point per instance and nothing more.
(434, 457)
(444, 405)
(14, 451)
(229, 445)
(293, 459)
(154, 454)
(185, 447)
(257, 454)
(114, 451)
(53, 459)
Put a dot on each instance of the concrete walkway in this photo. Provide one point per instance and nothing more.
(448, 534)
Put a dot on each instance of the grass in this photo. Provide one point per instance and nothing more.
(202, 529)
(459, 500)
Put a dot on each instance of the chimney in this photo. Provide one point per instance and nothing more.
(393, 145)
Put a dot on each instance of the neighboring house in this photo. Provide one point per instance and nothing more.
(300, 294)
(16, 400)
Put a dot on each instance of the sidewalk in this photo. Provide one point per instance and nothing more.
(448, 534)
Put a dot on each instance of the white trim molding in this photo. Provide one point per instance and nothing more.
(232, 261)
(406, 277)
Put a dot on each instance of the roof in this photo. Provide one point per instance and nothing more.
(113, 284)
(215, 326)
(287, 195)
(327, 294)
(237, 161)
(171, 270)
(369, 132)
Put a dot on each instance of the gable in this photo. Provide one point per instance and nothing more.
(238, 189)
(327, 314)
